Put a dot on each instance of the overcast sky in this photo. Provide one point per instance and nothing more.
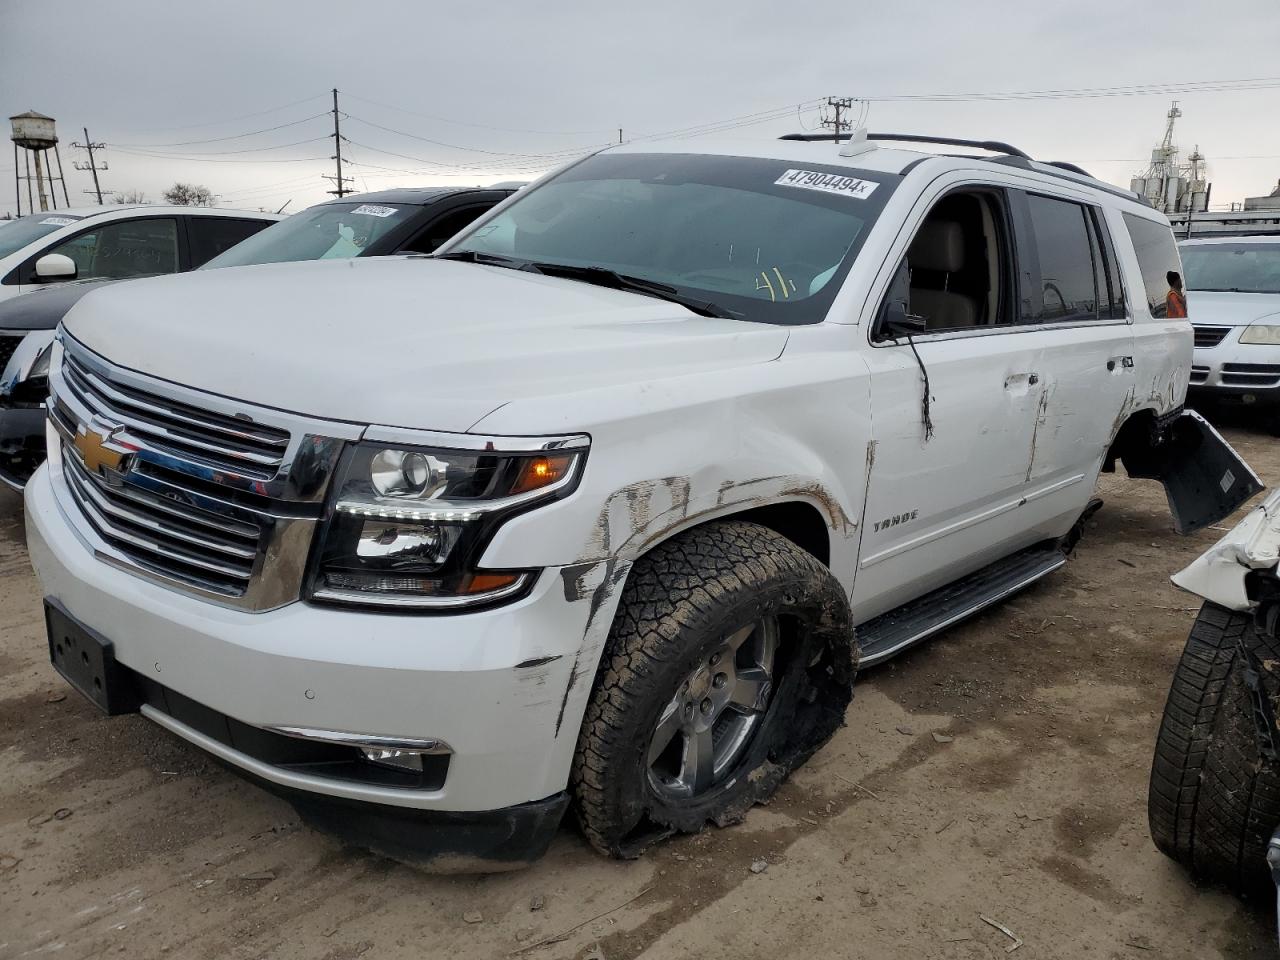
(504, 89)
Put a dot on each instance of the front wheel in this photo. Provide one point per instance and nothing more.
(730, 661)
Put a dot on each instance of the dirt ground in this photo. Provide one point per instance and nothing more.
(997, 772)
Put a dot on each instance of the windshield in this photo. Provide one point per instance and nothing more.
(28, 229)
(760, 239)
(330, 231)
(1233, 267)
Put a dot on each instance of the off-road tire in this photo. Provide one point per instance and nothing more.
(1214, 798)
(679, 601)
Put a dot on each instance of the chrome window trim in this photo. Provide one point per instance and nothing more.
(405, 436)
(370, 740)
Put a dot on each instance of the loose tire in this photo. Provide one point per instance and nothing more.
(728, 606)
(1214, 798)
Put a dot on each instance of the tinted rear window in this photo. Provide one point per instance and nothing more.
(1158, 258)
(210, 236)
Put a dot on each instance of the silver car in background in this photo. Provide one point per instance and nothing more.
(1233, 302)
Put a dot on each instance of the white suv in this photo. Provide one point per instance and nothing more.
(590, 504)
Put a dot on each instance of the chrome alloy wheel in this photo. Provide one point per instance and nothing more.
(709, 723)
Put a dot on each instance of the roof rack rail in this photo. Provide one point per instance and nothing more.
(995, 146)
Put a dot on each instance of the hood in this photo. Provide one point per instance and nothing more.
(402, 341)
(44, 309)
(1229, 309)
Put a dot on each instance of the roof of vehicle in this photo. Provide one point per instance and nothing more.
(873, 157)
(155, 208)
(1262, 241)
(420, 196)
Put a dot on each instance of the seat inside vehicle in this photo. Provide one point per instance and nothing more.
(955, 264)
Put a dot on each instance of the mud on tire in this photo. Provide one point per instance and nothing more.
(1214, 798)
(679, 604)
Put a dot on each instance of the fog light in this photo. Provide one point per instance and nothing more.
(410, 760)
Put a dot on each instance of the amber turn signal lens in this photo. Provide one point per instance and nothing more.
(539, 472)
(484, 582)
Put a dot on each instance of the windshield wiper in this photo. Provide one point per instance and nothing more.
(604, 277)
(488, 259)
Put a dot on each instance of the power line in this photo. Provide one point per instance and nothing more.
(478, 126)
(1071, 93)
(163, 156)
(219, 153)
(246, 116)
(237, 136)
(568, 151)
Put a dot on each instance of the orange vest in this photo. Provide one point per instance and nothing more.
(1176, 304)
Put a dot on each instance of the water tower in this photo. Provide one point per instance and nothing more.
(33, 134)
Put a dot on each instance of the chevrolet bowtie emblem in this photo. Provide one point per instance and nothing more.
(97, 449)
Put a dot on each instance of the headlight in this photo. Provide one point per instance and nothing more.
(406, 526)
(1261, 333)
(34, 387)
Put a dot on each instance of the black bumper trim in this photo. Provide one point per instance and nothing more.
(438, 841)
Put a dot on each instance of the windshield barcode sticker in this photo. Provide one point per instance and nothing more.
(826, 183)
(58, 221)
(372, 210)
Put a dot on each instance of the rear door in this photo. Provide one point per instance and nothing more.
(1073, 295)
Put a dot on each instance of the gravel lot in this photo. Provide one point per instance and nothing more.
(998, 772)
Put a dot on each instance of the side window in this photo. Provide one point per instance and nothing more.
(1107, 272)
(1072, 274)
(125, 248)
(210, 236)
(1161, 268)
(955, 274)
(442, 228)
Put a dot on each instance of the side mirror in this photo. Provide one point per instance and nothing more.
(55, 266)
(896, 319)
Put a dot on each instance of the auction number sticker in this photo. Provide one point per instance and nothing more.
(58, 221)
(827, 183)
(372, 210)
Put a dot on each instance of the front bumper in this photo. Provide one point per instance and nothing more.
(494, 685)
(1235, 372)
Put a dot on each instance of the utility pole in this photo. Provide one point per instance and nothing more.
(619, 134)
(837, 104)
(339, 181)
(91, 165)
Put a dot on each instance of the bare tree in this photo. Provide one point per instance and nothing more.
(130, 196)
(189, 195)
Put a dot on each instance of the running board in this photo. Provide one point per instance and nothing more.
(890, 633)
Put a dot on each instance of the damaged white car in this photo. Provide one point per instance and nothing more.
(1214, 799)
(590, 506)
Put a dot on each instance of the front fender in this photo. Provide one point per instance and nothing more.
(1219, 573)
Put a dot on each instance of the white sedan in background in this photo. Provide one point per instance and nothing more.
(116, 242)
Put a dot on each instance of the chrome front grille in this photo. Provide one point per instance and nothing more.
(216, 441)
(175, 540)
(203, 494)
(1209, 336)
